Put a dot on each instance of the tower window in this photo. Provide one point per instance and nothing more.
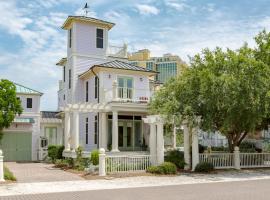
(86, 130)
(69, 78)
(86, 91)
(70, 37)
(100, 38)
(96, 86)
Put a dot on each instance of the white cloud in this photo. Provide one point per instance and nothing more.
(147, 9)
(179, 6)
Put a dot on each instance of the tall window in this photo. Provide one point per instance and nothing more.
(86, 91)
(64, 73)
(96, 129)
(69, 78)
(125, 87)
(96, 86)
(86, 130)
(100, 38)
(29, 102)
(70, 37)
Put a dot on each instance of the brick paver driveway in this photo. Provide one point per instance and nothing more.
(39, 172)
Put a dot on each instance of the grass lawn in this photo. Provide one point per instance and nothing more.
(8, 175)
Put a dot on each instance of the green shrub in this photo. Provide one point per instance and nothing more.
(168, 168)
(164, 168)
(95, 157)
(8, 175)
(224, 149)
(176, 157)
(61, 163)
(153, 170)
(204, 167)
(55, 152)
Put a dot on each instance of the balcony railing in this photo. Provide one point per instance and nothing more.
(124, 94)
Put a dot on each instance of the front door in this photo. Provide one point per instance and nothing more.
(125, 133)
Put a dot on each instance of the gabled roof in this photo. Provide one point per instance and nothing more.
(117, 64)
(20, 89)
(69, 20)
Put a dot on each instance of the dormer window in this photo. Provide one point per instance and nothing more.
(100, 38)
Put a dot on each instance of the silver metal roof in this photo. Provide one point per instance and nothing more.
(20, 89)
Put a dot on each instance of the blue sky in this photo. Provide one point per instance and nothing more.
(31, 41)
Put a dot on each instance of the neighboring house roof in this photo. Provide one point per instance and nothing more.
(50, 117)
(24, 120)
(68, 21)
(61, 62)
(49, 114)
(117, 64)
(20, 89)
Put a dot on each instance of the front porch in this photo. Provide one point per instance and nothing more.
(120, 128)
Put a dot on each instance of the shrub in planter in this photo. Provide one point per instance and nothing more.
(55, 152)
(176, 157)
(247, 147)
(204, 167)
(95, 157)
(61, 163)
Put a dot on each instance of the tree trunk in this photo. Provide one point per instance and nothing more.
(235, 139)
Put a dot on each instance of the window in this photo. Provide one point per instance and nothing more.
(100, 38)
(96, 129)
(96, 86)
(70, 37)
(64, 73)
(29, 102)
(51, 135)
(69, 78)
(125, 87)
(86, 91)
(64, 97)
(86, 130)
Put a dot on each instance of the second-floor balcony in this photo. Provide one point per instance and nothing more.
(125, 94)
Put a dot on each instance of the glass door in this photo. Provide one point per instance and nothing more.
(125, 87)
(125, 135)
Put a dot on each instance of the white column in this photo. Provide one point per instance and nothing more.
(115, 132)
(1, 166)
(75, 130)
(67, 131)
(102, 162)
(236, 155)
(186, 146)
(174, 136)
(103, 130)
(153, 144)
(114, 88)
(160, 143)
(195, 148)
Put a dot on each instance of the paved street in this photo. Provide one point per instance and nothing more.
(39, 172)
(240, 190)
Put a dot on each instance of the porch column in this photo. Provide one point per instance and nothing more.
(174, 136)
(195, 148)
(160, 143)
(153, 143)
(186, 146)
(103, 130)
(115, 132)
(75, 130)
(67, 131)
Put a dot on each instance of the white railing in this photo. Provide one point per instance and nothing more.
(252, 160)
(122, 94)
(134, 163)
(219, 160)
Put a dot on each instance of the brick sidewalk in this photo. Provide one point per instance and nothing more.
(39, 172)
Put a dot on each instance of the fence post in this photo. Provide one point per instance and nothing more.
(1, 166)
(236, 155)
(102, 162)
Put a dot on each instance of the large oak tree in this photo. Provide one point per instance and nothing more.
(229, 90)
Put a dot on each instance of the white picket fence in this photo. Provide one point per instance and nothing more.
(254, 160)
(227, 160)
(219, 160)
(126, 163)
